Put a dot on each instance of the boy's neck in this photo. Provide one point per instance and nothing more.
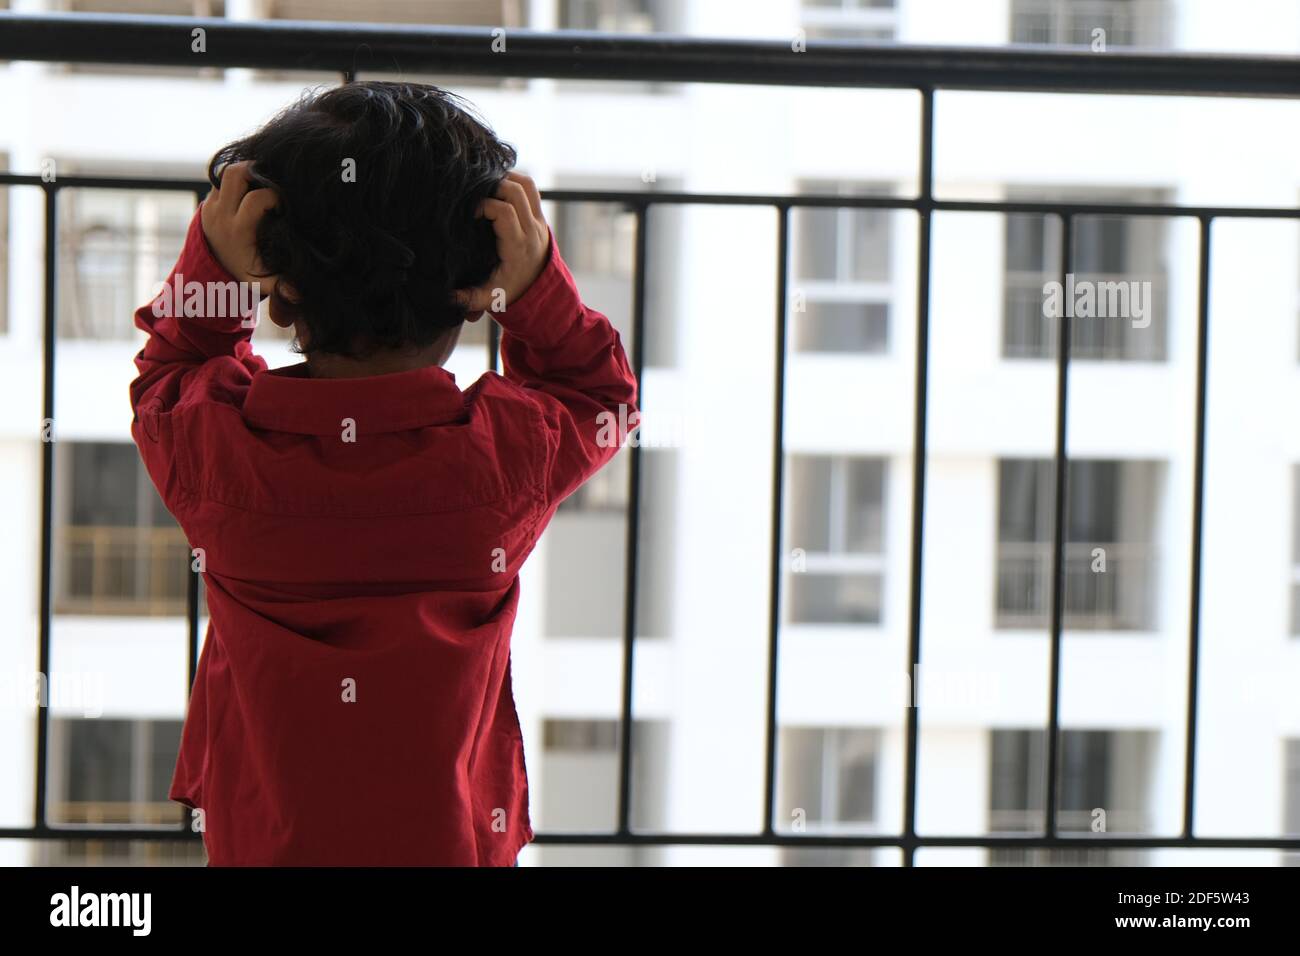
(383, 361)
(326, 365)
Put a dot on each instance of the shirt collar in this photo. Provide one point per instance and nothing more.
(286, 399)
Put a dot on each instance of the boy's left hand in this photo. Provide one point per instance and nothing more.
(231, 214)
(523, 243)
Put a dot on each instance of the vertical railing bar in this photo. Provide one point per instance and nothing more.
(48, 437)
(1061, 474)
(633, 531)
(1198, 512)
(921, 402)
(778, 484)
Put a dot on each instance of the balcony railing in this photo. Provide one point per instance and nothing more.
(1118, 598)
(1143, 23)
(1077, 821)
(347, 49)
(100, 812)
(1029, 333)
(1069, 821)
(75, 850)
(101, 290)
(123, 570)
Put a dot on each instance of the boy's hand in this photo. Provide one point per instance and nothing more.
(523, 242)
(230, 217)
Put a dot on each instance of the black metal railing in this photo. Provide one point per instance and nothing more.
(349, 49)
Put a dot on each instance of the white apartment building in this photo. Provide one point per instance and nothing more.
(700, 666)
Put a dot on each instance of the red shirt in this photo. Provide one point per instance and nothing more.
(362, 540)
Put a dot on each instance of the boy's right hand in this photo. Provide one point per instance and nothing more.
(523, 244)
(231, 214)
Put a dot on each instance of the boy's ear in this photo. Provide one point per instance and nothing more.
(285, 290)
(281, 309)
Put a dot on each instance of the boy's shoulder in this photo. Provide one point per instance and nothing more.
(493, 387)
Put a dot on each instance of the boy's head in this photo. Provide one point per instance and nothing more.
(378, 185)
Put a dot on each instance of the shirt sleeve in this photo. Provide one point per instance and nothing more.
(571, 359)
(198, 349)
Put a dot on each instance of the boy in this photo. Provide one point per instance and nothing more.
(361, 521)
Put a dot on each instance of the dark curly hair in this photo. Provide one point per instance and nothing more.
(372, 263)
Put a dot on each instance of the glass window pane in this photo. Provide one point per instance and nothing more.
(810, 490)
(866, 505)
(823, 598)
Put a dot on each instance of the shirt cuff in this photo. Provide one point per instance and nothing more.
(548, 307)
(198, 264)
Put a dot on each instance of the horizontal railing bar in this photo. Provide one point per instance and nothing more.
(123, 831)
(104, 182)
(1088, 841)
(639, 198)
(1170, 210)
(586, 55)
(1061, 841)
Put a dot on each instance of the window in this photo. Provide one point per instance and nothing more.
(828, 779)
(506, 14)
(598, 242)
(849, 19)
(581, 736)
(828, 775)
(116, 248)
(580, 780)
(113, 770)
(586, 545)
(657, 548)
(843, 327)
(1125, 23)
(106, 771)
(1118, 251)
(117, 550)
(835, 511)
(1109, 550)
(841, 293)
(462, 13)
(619, 16)
(599, 237)
(1099, 770)
(173, 8)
